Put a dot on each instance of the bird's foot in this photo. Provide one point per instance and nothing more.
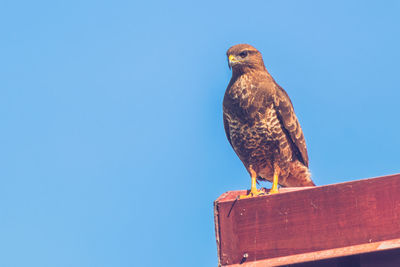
(253, 193)
(274, 188)
(273, 191)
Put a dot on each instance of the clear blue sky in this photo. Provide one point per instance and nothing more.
(112, 142)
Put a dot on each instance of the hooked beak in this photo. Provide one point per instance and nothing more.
(232, 61)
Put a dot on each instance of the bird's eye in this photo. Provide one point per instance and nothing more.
(243, 54)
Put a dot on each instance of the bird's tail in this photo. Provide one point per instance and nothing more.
(299, 175)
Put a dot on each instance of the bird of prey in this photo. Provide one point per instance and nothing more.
(261, 125)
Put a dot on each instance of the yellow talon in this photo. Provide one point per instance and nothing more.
(253, 191)
(274, 189)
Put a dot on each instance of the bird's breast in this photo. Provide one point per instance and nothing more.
(242, 89)
(259, 126)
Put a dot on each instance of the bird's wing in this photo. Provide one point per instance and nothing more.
(226, 126)
(288, 119)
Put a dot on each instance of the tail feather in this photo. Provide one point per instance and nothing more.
(299, 175)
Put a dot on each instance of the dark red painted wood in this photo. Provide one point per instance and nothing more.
(314, 219)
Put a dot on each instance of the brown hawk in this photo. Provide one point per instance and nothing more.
(261, 125)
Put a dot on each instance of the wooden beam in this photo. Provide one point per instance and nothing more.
(309, 224)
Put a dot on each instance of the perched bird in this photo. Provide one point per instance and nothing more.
(261, 125)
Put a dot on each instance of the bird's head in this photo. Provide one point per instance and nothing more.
(243, 58)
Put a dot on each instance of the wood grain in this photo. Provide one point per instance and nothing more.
(308, 220)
